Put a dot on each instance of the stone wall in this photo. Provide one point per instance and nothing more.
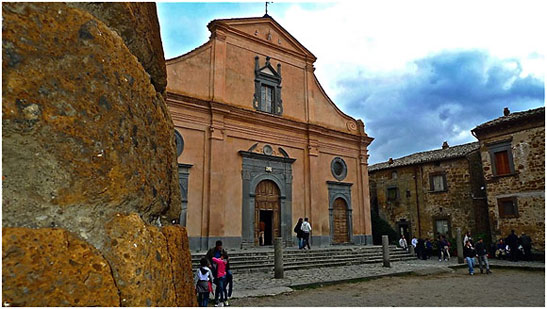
(527, 184)
(420, 207)
(89, 155)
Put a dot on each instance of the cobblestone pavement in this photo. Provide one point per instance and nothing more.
(262, 284)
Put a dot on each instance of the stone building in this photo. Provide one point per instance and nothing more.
(431, 192)
(263, 143)
(513, 160)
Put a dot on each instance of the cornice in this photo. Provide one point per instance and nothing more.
(266, 119)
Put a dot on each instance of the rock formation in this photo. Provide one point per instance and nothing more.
(88, 158)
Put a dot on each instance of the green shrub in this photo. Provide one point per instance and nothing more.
(381, 227)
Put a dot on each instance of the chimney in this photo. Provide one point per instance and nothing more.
(390, 161)
(445, 145)
(506, 112)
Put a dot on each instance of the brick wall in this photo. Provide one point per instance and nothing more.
(527, 184)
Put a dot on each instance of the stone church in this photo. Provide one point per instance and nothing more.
(260, 143)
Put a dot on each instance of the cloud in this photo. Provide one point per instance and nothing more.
(440, 97)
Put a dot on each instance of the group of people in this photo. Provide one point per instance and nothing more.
(303, 230)
(514, 247)
(477, 250)
(424, 247)
(214, 268)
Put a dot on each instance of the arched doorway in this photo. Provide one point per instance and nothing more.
(340, 221)
(267, 214)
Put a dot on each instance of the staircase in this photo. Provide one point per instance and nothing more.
(262, 259)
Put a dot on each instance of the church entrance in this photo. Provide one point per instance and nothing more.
(267, 214)
(340, 221)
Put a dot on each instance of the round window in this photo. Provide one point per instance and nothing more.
(339, 168)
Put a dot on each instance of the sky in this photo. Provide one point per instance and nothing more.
(416, 72)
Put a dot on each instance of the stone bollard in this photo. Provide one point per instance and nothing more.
(278, 257)
(459, 244)
(385, 250)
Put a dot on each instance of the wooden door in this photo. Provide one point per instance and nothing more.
(267, 198)
(340, 221)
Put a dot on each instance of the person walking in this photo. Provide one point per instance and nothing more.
(299, 233)
(204, 281)
(402, 243)
(306, 229)
(513, 242)
(444, 250)
(469, 253)
(482, 255)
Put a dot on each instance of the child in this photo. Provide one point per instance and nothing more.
(221, 276)
(204, 278)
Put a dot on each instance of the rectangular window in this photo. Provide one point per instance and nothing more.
(442, 226)
(502, 162)
(437, 182)
(501, 158)
(392, 194)
(508, 207)
(267, 98)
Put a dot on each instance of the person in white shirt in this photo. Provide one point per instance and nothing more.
(402, 242)
(414, 242)
(306, 229)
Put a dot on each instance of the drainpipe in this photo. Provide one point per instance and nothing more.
(417, 200)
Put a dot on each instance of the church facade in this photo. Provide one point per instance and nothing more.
(261, 144)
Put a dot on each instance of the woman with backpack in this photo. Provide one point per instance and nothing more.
(299, 233)
(204, 283)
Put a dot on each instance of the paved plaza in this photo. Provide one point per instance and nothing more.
(255, 284)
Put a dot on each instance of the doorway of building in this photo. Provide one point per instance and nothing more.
(266, 227)
(267, 214)
(404, 229)
(340, 221)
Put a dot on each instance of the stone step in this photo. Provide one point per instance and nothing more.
(233, 255)
(301, 254)
(249, 265)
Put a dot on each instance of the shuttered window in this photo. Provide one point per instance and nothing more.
(501, 158)
(502, 162)
(507, 207)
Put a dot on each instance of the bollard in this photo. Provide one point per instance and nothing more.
(385, 250)
(459, 244)
(278, 257)
(412, 252)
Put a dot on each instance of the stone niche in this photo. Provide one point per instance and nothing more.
(89, 159)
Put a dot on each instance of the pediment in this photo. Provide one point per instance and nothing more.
(264, 29)
(268, 70)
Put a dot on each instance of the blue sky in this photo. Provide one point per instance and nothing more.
(416, 72)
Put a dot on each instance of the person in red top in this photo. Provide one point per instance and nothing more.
(221, 275)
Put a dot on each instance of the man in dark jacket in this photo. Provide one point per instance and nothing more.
(482, 255)
(526, 243)
(513, 242)
(469, 254)
(217, 251)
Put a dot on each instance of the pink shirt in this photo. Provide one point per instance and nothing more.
(221, 267)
